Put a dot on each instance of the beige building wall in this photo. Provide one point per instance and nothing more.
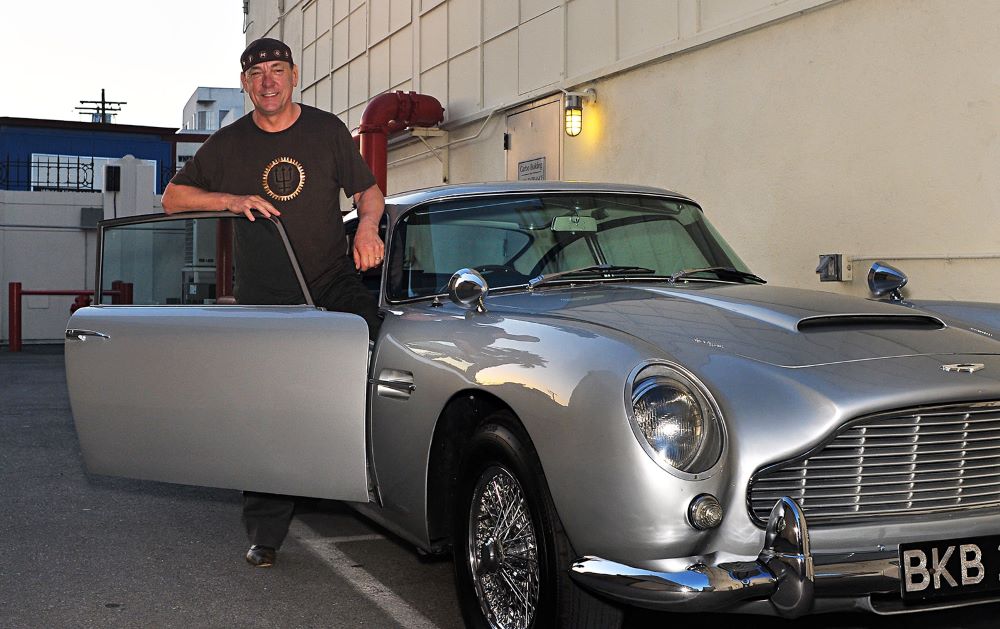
(862, 127)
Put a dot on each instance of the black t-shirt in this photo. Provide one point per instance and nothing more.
(300, 171)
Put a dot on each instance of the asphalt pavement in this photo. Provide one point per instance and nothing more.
(93, 551)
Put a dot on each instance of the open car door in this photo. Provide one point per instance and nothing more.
(184, 386)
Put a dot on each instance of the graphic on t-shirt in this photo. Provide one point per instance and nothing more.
(283, 179)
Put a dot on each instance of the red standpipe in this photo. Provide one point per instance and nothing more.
(386, 114)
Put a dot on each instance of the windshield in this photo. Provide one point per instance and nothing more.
(512, 239)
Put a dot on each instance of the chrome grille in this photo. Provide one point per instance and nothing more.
(918, 461)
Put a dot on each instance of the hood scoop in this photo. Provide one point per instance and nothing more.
(869, 322)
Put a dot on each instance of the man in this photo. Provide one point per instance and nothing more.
(289, 160)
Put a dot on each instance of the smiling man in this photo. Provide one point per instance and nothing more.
(288, 160)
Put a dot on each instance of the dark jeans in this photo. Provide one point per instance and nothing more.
(267, 516)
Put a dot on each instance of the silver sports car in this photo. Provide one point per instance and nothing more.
(582, 393)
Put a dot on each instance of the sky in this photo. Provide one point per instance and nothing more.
(150, 53)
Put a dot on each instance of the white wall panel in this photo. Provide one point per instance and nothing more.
(24, 261)
(530, 9)
(401, 56)
(358, 39)
(400, 14)
(324, 16)
(309, 96)
(501, 75)
(307, 66)
(434, 82)
(405, 86)
(463, 85)
(378, 27)
(590, 36)
(540, 51)
(718, 12)
(434, 37)
(353, 120)
(357, 90)
(323, 94)
(645, 24)
(499, 16)
(378, 68)
(324, 55)
(341, 9)
(341, 41)
(356, 4)
(309, 23)
(293, 36)
(463, 25)
(340, 101)
(429, 4)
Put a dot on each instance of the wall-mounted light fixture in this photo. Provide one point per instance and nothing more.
(573, 110)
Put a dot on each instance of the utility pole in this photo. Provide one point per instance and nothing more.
(101, 110)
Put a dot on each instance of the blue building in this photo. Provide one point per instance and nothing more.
(40, 155)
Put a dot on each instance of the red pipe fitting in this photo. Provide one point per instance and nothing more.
(387, 114)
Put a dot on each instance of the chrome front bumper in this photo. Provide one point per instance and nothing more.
(784, 575)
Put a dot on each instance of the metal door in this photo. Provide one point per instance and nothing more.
(534, 143)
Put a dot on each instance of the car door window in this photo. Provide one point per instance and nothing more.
(171, 261)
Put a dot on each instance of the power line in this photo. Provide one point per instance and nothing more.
(101, 110)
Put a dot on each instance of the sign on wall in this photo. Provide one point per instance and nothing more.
(531, 169)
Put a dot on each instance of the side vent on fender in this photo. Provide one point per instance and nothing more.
(394, 384)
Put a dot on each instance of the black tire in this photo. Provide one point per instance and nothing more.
(527, 552)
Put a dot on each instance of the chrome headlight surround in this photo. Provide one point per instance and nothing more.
(675, 419)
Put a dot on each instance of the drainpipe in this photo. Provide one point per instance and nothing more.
(387, 114)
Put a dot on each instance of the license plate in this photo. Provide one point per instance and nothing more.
(949, 568)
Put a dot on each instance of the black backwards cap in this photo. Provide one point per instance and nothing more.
(265, 49)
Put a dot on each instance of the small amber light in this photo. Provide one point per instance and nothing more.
(705, 512)
(574, 115)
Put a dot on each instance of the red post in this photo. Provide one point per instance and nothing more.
(14, 321)
(126, 296)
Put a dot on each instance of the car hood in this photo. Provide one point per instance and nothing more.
(784, 327)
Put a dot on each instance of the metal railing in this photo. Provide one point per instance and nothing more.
(48, 173)
(121, 293)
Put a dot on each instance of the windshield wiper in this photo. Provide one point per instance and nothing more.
(604, 270)
(722, 272)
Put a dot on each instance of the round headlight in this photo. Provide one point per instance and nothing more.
(675, 420)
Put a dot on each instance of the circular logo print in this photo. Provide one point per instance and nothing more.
(283, 179)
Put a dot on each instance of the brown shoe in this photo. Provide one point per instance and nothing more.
(261, 556)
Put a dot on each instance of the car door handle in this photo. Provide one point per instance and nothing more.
(82, 335)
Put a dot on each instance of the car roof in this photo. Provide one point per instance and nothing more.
(436, 193)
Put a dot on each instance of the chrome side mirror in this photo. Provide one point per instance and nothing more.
(467, 287)
(885, 279)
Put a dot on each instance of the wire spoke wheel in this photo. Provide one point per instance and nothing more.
(503, 551)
